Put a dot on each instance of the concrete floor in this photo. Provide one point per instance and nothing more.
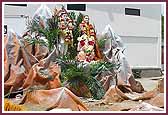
(149, 83)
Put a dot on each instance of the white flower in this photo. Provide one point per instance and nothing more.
(83, 37)
(90, 47)
(79, 38)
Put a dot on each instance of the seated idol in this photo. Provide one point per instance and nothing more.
(86, 42)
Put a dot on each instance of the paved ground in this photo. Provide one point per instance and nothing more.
(149, 83)
(96, 105)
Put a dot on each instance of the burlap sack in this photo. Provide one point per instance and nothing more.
(39, 75)
(16, 78)
(54, 98)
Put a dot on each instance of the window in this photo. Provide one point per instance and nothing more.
(132, 11)
(5, 29)
(80, 7)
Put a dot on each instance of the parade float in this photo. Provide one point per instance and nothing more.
(60, 58)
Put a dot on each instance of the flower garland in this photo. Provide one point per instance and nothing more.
(86, 43)
(66, 25)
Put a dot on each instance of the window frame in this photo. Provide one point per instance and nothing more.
(133, 11)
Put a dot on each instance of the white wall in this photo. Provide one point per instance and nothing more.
(142, 52)
(113, 14)
(147, 10)
(141, 34)
(126, 25)
(18, 24)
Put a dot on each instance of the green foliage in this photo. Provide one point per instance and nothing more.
(76, 33)
(74, 75)
(71, 72)
(72, 15)
(51, 35)
(65, 62)
(32, 41)
(74, 72)
(99, 67)
(101, 43)
(95, 87)
(50, 32)
(53, 23)
(33, 26)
